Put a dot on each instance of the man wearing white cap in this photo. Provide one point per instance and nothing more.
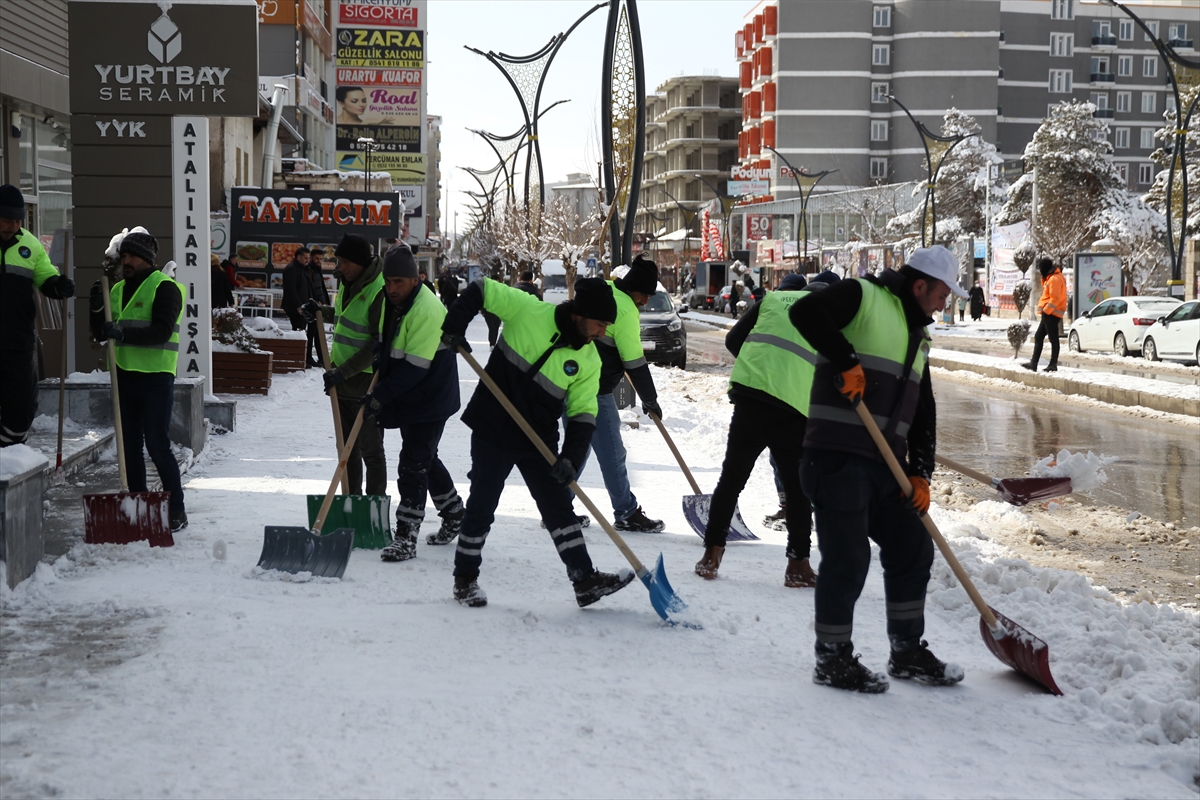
(869, 343)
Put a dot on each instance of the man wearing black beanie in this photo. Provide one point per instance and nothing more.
(24, 266)
(620, 353)
(543, 360)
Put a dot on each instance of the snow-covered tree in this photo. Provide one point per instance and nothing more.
(569, 236)
(1076, 183)
(962, 184)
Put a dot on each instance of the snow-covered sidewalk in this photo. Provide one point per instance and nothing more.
(134, 672)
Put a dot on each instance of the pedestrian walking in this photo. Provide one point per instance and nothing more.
(448, 287)
(320, 294)
(527, 285)
(962, 308)
(769, 388)
(24, 267)
(544, 359)
(621, 353)
(977, 302)
(425, 280)
(222, 293)
(358, 311)
(297, 289)
(147, 307)
(870, 335)
(735, 297)
(416, 393)
(1051, 305)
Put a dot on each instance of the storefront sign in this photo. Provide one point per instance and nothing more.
(749, 174)
(192, 238)
(379, 13)
(758, 226)
(136, 58)
(381, 104)
(374, 47)
(739, 188)
(414, 201)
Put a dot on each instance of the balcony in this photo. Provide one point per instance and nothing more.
(1181, 44)
(1103, 77)
(1104, 41)
(1104, 113)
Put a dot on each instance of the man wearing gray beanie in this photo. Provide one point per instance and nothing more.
(543, 361)
(416, 393)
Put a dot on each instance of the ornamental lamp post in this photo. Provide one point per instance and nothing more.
(803, 178)
(927, 137)
(1178, 152)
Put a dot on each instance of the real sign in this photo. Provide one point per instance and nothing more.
(136, 58)
(739, 188)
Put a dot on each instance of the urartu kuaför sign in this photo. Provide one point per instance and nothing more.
(137, 58)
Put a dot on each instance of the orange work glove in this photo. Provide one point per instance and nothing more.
(852, 383)
(920, 496)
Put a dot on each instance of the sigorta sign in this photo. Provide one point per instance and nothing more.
(308, 215)
(168, 59)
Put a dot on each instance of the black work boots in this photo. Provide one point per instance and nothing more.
(838, 666)
(404, 544)
(916, 662)
(638, 522)
(467, 591)
(600, 584)
(451, 525)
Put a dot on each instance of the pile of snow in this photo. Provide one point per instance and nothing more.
(261, 325)
(18, 459)
(1085, 471)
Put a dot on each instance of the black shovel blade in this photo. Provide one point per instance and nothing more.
(290, 548)
(1020, 491)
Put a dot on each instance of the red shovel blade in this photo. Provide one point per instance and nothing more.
(1020, 491)
(1019, 649)
(124, 517)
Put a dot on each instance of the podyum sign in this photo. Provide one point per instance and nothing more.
(189, 189)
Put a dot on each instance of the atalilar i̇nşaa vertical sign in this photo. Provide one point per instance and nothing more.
(189, 189)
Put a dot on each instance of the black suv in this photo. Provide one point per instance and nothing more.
(663, 336)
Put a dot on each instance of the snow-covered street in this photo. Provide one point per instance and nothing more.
(131, 672)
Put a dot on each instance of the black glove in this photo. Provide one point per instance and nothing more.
(110, 330)
(97, 297)
(309, 310)
(63, 287)
(332, 378)
(652, 408)
(563, 471)
(377, 356)
(455, 341)
(370, 406)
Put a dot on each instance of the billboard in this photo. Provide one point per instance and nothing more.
(380, 87)
(1097, 277)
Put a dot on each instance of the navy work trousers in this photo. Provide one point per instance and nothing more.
(146, 401)
(857, 501)
(421, 472)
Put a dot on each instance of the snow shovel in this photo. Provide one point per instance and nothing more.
(290, 548)
(337, 417)
(1008, 641)
(696, 507)
(123, 517)
(1018, 491)
(662, 596)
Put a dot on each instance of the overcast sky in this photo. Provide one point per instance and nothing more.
(679, 37)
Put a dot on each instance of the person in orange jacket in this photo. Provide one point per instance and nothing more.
(1052, 306)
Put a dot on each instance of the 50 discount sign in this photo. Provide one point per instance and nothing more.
(758, 226)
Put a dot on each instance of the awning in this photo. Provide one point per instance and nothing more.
(677, 236)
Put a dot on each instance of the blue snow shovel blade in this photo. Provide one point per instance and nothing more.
(696, 509)
(662, 596)
(290, 548)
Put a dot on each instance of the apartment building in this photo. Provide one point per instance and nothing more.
(815, 78)
(692, 125)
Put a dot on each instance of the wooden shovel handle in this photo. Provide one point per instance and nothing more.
(337, 415)
(674, 450)
(550, 457)
(116, 397)
(343, 460)
(965, 470)
(886, 451)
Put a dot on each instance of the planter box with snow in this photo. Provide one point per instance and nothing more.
(23, 475)
(239, 372)
(289, 353)
(89, 402)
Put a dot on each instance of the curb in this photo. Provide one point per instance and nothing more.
(1107, 394)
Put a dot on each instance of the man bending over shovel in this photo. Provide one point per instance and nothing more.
(543, 358)
(417, 392)
(870, 334)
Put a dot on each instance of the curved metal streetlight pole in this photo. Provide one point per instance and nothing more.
(1183, 120)
(926, 137)
(812, 179)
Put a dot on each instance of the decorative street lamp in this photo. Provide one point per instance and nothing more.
(1178, 152)
(803, 179)
(728, 201)
(367, 144)
(928, 137)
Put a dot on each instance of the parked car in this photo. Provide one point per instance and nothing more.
(1176, 336)
(1118, 324)
(663, 336)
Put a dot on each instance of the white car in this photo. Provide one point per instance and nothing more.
(1118, 324)
(1175, 337)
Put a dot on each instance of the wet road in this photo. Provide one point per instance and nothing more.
(1157, 471)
